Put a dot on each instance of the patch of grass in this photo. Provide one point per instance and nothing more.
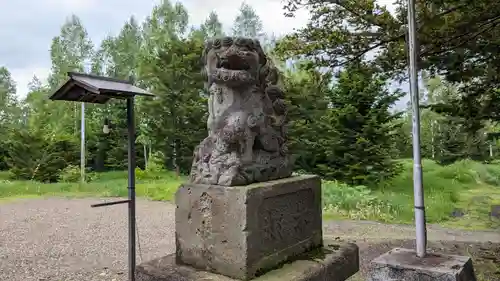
(4, 175)
(153, 185)
(354, 202)
(468, 186)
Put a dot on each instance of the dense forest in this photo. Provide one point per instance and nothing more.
(338, 73)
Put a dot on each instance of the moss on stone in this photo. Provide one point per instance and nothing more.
(316, 255)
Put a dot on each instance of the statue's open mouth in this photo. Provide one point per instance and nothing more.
(232, 70)
(233, 64)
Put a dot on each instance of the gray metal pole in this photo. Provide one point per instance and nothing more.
(131, 188)
(413, 50)
(82, 145)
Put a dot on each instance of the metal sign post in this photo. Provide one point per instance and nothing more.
(97, 89)
(414, 52)
(131, 190)
(131, 187)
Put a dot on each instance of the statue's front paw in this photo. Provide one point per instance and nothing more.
(232, 177)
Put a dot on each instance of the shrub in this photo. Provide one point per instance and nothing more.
(355, 202)
(3, 156)
(154, 168)
(155, 163)
(31, 157)
(71, 173)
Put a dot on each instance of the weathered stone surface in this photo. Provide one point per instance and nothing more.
(334, 262)
(241, 231)
(404, 265)
(247, 135)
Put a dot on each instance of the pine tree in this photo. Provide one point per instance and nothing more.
(8, 110)
(32, 157)
(357, 130)
(117, 57)
(179, 108)
(306, 95)
(213, 26)
(247, 23)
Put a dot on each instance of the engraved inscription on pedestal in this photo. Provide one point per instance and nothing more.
(204, 231)
(288, 223)
(286, 219)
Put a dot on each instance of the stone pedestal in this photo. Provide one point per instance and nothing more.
(263, 231)
(241, 231)
(404, 265)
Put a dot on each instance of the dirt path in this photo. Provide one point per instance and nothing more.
(375, 230)
(58, 239)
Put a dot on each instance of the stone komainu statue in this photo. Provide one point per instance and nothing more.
(247, 139)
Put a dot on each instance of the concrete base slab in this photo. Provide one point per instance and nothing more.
(404, 265)
(333, 262)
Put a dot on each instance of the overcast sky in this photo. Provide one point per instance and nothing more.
(28, 26)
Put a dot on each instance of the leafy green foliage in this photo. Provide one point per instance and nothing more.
(457, 39)
(306, 101)
(154, 168)
(174, 75)
(212, 26)
(359, 128)
(69, 50)
(466, 185)
(32, 157)
(444, 138)
(8, 107)
(70, 173)
(342, 126)
(247, 23)
(3, 156)
(454, 143)
(109, 184)
(8, 102)
(353, 116)
(117, 57)
(355, 202)
(452, 34)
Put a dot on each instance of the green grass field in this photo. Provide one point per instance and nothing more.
(468, 186)
(156, 186)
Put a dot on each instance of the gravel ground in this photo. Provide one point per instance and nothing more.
(59, 239)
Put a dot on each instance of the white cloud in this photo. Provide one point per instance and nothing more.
(389, 4)
(23, 77)
(72, 5)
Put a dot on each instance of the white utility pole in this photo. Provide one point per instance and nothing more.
(82, 146)
(414, 53)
